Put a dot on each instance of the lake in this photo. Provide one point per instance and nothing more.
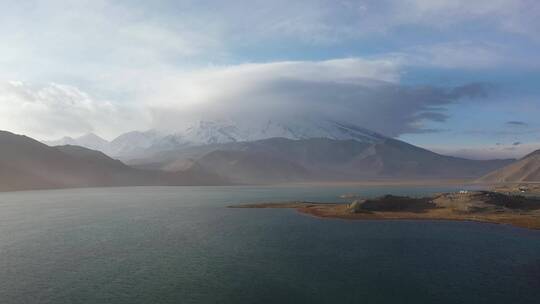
(182, 245)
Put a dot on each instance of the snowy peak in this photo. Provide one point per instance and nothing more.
(90, 141)
(210, 132)
(132, 141)
(206, 132)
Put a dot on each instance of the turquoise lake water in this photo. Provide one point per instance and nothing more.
(182, 245)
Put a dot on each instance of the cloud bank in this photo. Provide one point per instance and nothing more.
(94, 43)
(363, 92)
(53, 110)
(359, 91)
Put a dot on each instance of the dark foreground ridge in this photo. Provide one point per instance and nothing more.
(26, 164)
(481, 206)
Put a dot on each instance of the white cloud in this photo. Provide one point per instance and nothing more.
(329, 22)
(53, 110)
(365, 92)
(59, 34)
(515, 16)
(458, 55)
(221, 82)
(83, 42)
(360, 91)
(114, 49)
(323, 22)
(224, 92)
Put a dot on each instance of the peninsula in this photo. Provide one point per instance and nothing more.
(480, 206)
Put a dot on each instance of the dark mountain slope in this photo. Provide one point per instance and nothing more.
(527, 169)
(320, 159)
(28, 164)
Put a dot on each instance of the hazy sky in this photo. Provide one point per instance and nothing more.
(461, 77)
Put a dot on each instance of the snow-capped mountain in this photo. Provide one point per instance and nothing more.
(130, 142)
(90, 141)
(212, 132)
(220, 132)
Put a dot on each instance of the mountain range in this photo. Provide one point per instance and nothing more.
(526, 169)
(136, 144)
(318, 159)
(28, 164)
(218, 153)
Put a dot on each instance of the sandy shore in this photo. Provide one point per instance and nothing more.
(448, 206)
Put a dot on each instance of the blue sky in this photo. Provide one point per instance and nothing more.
(459, 77)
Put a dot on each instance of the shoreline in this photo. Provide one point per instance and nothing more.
(444, 207)
(441, 219)
(386, 182)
